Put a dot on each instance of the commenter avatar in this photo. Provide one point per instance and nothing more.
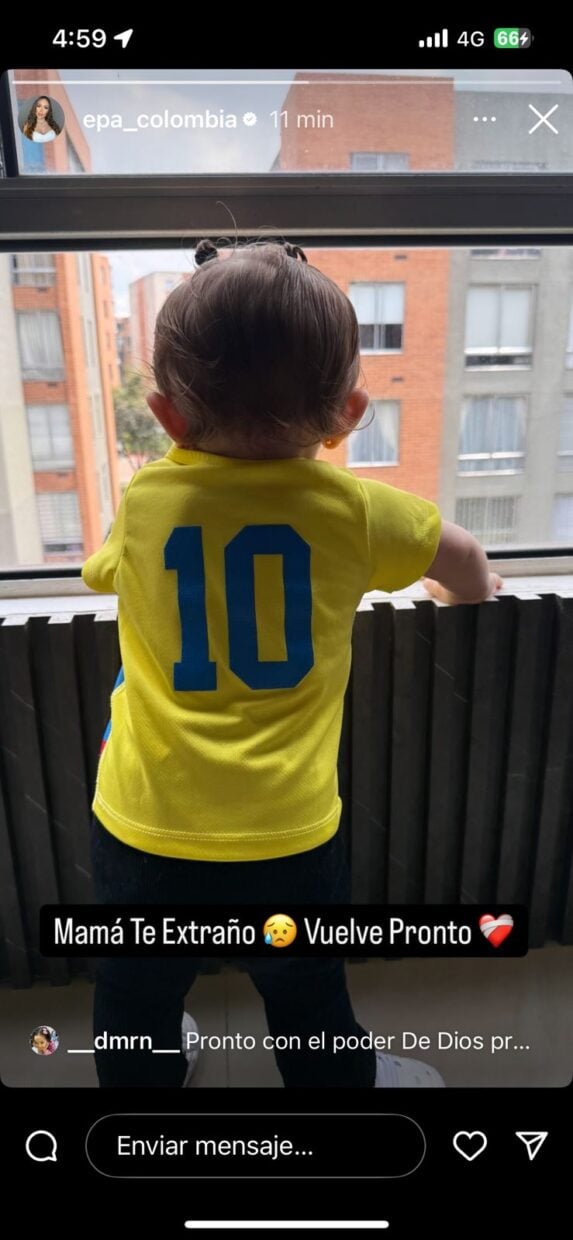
(44, 1040)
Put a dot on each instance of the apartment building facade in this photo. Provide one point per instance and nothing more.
(59, 485)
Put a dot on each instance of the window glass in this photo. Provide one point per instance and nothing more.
(488, 442)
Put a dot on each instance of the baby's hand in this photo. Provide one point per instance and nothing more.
(439, 592)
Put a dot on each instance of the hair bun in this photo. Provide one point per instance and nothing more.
(294, 251)
(205, 251)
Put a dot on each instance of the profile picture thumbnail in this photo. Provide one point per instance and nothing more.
(44, 1040)
(41, 119)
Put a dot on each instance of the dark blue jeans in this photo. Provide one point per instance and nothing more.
(301, 997)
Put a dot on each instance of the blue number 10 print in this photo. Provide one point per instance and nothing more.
(184, 554)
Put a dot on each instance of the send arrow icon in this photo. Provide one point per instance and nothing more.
(532, 1142)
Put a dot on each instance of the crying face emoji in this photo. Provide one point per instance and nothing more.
(279, 930)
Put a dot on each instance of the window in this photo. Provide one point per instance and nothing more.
(511, 251)
(380, 313)
(492, 435)
(379, 161)
(565, 458)
(38, 270)
(41, 352)
(498, 325)
(50, 436)
(97, 414)
(491, 518)
(376, 443)
(60, 522)
(508, 165)
(563, 516)
(569, 349)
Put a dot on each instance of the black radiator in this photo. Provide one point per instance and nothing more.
(455, 763)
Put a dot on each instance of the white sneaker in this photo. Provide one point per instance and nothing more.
(394, 1073)
(188, 1025)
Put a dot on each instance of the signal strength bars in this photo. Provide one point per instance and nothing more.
(435, 40)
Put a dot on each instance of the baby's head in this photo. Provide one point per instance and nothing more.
(41, 1041)
(257, 352)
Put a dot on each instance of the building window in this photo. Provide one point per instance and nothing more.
(563, 516)
(569, 349)
(36, 270)
(41, 353)
(380, 313)
(60, 522)
(510, 251)
(499, 326)
(491, 518)
(375, 440)
(50, 436)
(492, 435)
(565, 456)
(379, 161)
(508, 165)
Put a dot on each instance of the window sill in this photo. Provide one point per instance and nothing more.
(373, 464)
(65, 597)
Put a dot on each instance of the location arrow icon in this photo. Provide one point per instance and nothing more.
(532, 1142)
(124, 37)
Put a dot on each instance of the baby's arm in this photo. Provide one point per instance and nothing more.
(459, 572)
(99, 571)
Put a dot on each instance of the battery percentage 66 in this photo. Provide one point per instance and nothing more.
(511, 37)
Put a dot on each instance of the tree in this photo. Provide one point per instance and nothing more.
(139, 435)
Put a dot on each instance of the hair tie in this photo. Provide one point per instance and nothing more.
(294, 251)
(205, 251)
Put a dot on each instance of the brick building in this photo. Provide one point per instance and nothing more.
(56, 312)
(400, 295)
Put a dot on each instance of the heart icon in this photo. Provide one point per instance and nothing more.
(496, 929)
(470, 1141)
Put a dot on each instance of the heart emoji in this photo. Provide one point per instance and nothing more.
(470, 1144)
(496, 929)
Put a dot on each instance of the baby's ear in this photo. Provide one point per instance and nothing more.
(357, 403)
(171, 420)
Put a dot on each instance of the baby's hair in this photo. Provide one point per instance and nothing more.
(208, 249)
(257, 345)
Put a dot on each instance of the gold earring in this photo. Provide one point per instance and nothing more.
(329, 443)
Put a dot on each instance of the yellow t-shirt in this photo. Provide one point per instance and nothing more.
(237, 586)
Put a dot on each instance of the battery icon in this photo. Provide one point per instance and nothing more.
(511, 37)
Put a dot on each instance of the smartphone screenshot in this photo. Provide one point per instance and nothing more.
(286, 630)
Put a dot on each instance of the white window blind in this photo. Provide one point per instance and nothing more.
(375, 440)
(498, 325)
(50, 436)
(60, 522)
(492, 434)
(566, 435)
(563, 516)
(41, 353)
(379, 161)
